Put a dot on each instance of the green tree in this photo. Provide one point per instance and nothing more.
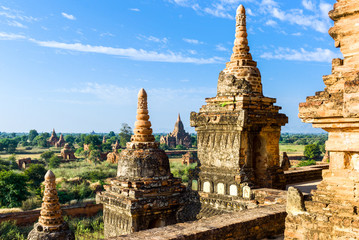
(106, 147)
(54, 162)
(32, 134)
(47, 155)
(12, 189)
(35, 175)
(111, 134)
(94, 141)
(40, 141)
(180, 147)
(70, 139)
(95, 156)
(163, 146)
(46, 135)
(125, 134)
(312, 151)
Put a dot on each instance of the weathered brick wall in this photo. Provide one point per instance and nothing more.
(305, 174)
(29, 217)
(249, 224)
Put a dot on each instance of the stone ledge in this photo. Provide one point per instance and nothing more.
(248, 224)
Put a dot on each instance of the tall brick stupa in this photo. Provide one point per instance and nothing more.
(238, 130)
(144, 194)
(51, 225)
(333, 212)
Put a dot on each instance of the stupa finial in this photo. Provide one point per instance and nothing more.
(142, 131)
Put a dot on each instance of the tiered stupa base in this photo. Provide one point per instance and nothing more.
(131, 205)
(39, 233)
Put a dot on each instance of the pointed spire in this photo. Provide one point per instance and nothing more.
(241, 48)
(241, 65)
(104, 139)
(50, 214)
(143, 131)
(179, 118)
(61, 137)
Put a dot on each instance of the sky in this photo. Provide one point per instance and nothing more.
(77, 66)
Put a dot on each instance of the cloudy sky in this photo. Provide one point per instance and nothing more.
(77, 66)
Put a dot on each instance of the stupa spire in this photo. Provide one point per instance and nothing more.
(241, 75)
(241, 48)
(51, 225)
(142, 137)
(179, 118)
(50, 214)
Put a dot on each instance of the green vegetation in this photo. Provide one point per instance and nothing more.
(307, 163)
(181, 171)
(9, 231)
(12, 189)
(312, 151)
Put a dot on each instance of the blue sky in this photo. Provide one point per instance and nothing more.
(77, 66)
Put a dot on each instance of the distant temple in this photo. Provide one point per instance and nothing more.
(178, 137)
(61, 142)
(53, 139)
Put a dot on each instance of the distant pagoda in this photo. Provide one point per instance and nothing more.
(53, 138)
(178, 137)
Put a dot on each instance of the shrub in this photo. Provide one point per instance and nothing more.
(312, 151)
(9, 231)
(54, 162)
(180, 147)
(307, 163)
(12, 189)
(31, 203)
(35, 175)
(47, 155)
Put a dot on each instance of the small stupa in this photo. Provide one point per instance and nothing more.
(144, 194)
(51, 225)
(61, 141)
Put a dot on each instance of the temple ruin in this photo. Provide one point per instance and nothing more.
(113, 156)
(178, 137)
(144, 194)
(61, 142)
(67, 153)
(53, 138)
(238, 130)
(332, 212)
(51, 225)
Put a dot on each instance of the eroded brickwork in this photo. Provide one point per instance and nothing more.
(51, 225)
(333, 211)
(238, 130)
(144, 194)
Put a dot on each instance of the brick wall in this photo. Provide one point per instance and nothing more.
(305, 174)
(248, 224)
(29, 217)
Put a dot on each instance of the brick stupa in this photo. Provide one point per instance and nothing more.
(51, 225)
(53, 138)
(333, 211)
(61, 142)
(144, 194)
(238, 131)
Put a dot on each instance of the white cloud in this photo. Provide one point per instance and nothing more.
(16, 24)
(324, 9)
(220, 47)
(68, 16)
(135, 9)
(250, 12)
(154, 39)
(192, 41)
(193, 52)
(106, 34)
(218, 10)
(16, 15)
(297, 34)
(317, 21)
(10, 36)
(318, 55)
(271, 23)
(131, 53)
(308, 4)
